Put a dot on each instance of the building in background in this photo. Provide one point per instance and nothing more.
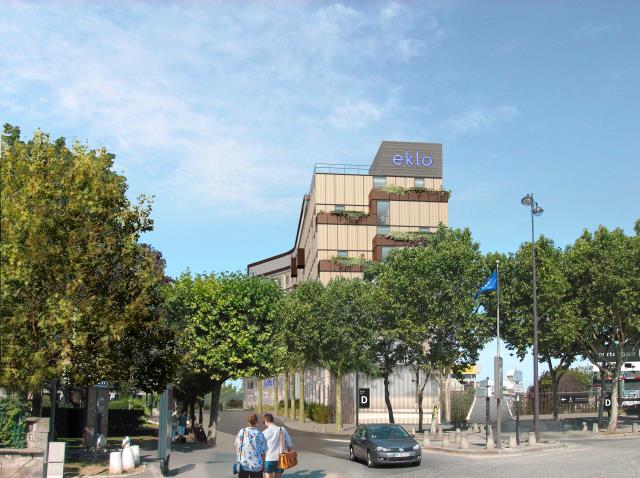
(351, 214)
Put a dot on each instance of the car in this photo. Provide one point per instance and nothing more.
(384, 443)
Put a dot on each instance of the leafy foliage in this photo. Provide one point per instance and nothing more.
(12, 422)
(413, 237)
(349, 261)
(352, 216)
(79, 294)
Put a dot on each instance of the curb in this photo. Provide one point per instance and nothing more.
(503, 453)
(139, 471)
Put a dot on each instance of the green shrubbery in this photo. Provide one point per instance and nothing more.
(319, 413)
(123, 404)
(12, 422)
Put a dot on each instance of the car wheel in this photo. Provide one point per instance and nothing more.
(370, 462)
(415, 463)
(352, 455)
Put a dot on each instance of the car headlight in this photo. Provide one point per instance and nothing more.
(381, 448)
(416, 447)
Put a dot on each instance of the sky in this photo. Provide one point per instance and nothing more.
(220, 109)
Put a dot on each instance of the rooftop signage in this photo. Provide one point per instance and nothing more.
(402, 158)
(419, 160)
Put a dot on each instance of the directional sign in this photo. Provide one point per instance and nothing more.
(566, 398)
(363, 397)
(607, 401)
(103, 384)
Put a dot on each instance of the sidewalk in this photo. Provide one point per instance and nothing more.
(312, 427)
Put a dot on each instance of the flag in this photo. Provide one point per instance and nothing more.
(490, 284)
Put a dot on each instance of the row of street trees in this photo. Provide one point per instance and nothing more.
(588, 300)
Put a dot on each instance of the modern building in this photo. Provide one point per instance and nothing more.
(353, 214)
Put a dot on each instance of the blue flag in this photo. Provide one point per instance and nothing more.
(489, 285)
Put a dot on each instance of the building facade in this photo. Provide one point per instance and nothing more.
(350, 215)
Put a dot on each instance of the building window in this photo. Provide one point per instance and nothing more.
(343, 254)
(418, 183)
(379, 181)
(424, 229)
(382, 213)
(385, 251)
(383, 230)
(339, 208)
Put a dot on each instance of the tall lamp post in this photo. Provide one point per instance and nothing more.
(535, 211)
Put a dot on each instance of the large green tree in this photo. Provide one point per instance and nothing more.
(346, 332)
(603, 268)
(79, 293)
(227, 327)
(299, 332)
(430, 291)
(557, 341)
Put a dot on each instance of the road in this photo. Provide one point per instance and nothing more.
(327, 457)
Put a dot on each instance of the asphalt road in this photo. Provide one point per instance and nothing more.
(583, 458)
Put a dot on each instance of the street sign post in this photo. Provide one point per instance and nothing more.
(363, 397)
(567, 398)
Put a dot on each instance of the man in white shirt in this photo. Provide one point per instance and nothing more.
(273, 433)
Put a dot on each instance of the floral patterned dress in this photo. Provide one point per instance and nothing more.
(250, 446)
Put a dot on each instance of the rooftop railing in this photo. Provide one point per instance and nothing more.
(341, 168)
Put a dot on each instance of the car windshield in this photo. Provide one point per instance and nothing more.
(386, 432)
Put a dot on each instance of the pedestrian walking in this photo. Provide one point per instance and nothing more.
(278, 440)
(251, 447)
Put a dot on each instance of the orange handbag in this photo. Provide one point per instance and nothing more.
(287, 459)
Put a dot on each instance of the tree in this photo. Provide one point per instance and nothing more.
(76, 285)
(603, 269)
(346, 331)
(557, 342)
(227, 327)
(298, 332)
(430, 292)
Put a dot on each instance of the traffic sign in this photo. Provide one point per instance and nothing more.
(607, 401)
(103, 384)
(566, 398)
(363, 397)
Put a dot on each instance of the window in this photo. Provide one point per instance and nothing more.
(385, 251)
(383, 213)
(379, 181)
(343, 254)
(383, 230)
(418, 183)
(424, 229)
(339, 208)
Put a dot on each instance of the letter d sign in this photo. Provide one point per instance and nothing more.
(363, 397)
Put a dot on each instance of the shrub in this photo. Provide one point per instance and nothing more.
(12, 422)
(234, 403)
(123, 404)
(319, 413)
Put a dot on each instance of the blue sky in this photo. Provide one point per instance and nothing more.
(220, 110)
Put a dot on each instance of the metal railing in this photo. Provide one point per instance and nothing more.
(330, 168)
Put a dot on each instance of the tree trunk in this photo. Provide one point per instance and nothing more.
(419, 398)
(613, 419)
(192, 411)
(339, 403)
(447, 397)
(387, 398)
(213, 411)
(200, 405)
(554, 391)
(286, 394)
(292, 406)
(301, 411)
(36, 403)
(259, 408)
(276, 404)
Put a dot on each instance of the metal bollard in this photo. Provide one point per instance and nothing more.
(595, 428)
(512, 441)
(532, 439)
(584, 427)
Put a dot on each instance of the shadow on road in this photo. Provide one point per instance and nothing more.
(307, 474)
(182, 469)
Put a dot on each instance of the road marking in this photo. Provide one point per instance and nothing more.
(336, 440)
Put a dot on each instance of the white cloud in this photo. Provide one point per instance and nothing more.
(208, 102)
(479, 119)
(355, 115)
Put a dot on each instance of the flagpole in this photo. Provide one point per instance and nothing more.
(498, 365)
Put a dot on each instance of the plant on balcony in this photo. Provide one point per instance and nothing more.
(409, 236)
(394, 189)
(348, 261)
(350, 215)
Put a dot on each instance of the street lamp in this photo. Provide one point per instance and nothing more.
(535, 211)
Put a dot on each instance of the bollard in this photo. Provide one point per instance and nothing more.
(115, 463)
(490, 444)
(458, 438)
(425, 440)
(584, 427)
(595, 428)
(476, 428)
(512, 441)
(634, 428)
(136, 454)
(324, 429)
(464, 443)
(481, 428)
(532, 438)
(128, 462)
(445, 441)
(413, 430)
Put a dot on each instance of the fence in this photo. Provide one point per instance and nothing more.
(582, 402)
